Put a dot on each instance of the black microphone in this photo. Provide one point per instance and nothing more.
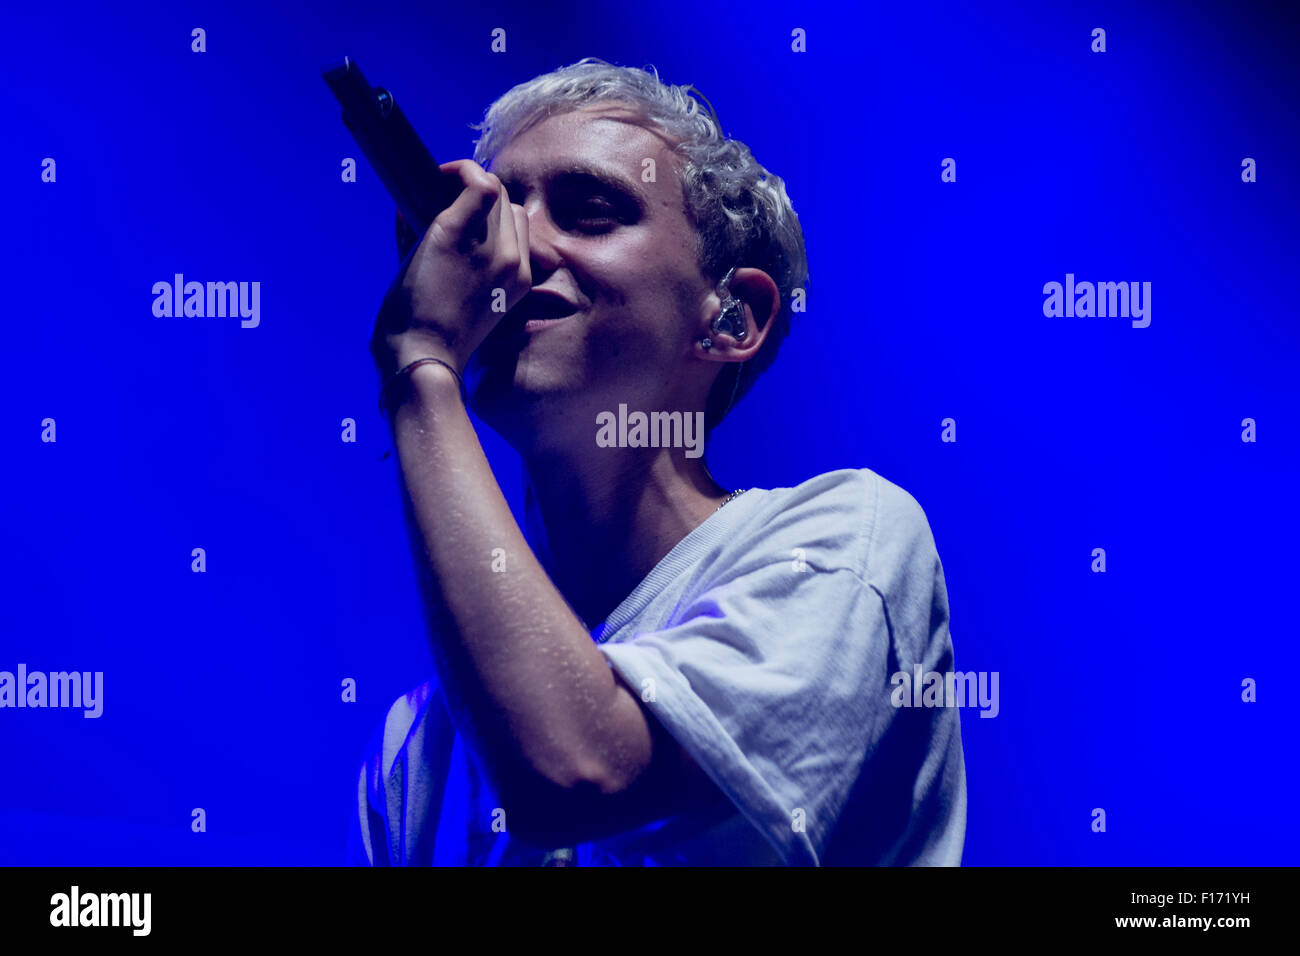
(398, 156)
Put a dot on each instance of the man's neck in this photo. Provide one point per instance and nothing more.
(612, 516)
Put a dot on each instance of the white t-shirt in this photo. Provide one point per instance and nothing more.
(764, 642)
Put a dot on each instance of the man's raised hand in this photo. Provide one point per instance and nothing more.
(441, 302)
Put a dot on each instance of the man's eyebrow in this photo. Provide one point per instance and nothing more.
(607, 178)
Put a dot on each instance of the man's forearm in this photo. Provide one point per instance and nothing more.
(543, 702)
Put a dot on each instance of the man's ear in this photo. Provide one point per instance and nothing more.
(756, 289)
(406, 238)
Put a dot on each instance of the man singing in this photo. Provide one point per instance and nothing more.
(663, 671)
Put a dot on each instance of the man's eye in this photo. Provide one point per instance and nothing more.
(596, 209)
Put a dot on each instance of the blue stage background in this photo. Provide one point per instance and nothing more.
(222, 690)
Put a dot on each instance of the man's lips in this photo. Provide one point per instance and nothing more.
(537, 310)
(538, 304)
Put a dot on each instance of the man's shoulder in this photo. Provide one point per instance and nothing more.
(854, 516)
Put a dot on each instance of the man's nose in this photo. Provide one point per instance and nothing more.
(542, 236)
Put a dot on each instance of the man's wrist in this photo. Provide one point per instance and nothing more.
(429, 384)
(434, 381)
(420, 347)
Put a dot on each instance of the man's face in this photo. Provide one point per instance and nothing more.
(619, 249)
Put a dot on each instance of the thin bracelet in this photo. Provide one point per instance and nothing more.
(383, 392)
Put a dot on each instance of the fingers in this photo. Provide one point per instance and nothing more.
(525, 274)
(507, 233)
(447, 288)
(483, 215)
(469, 221)
(512, 247)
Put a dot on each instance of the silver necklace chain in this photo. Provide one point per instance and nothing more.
(735, 494)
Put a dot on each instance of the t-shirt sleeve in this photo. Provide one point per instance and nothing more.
(368, 833)
(361, 845)
(775, 676)
(383, 785)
